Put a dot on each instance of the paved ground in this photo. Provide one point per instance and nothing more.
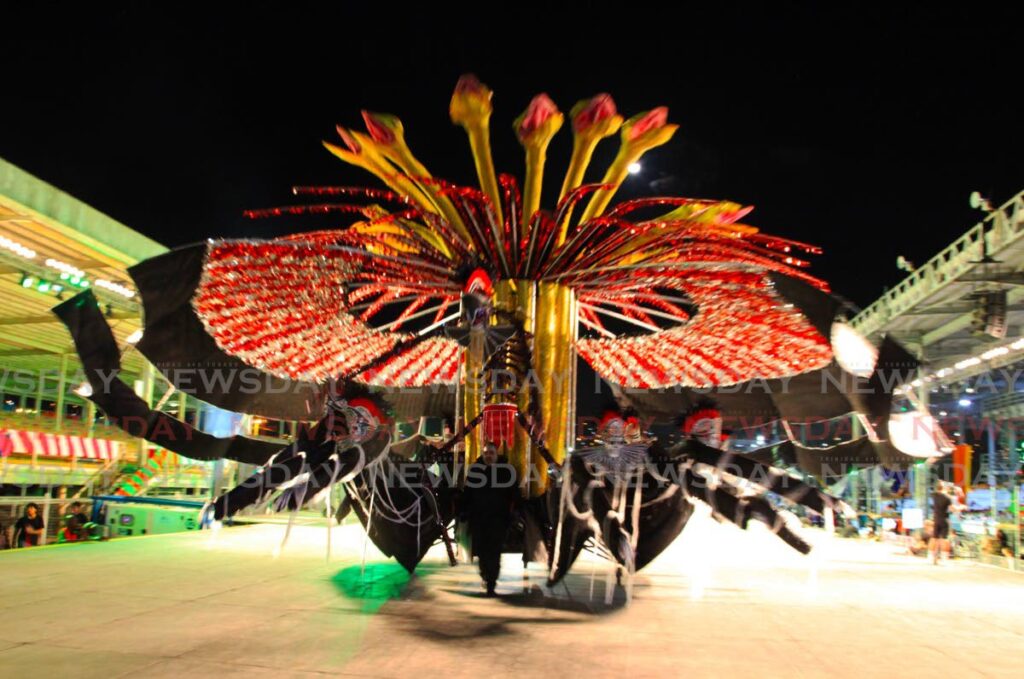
(719, 602)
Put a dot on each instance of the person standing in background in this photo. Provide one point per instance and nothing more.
(943, 501)
(28, 531)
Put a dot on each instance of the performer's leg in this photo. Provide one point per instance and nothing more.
(728, 505)
(490, 567)
(768, 477)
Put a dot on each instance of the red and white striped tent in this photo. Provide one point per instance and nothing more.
(57, 445)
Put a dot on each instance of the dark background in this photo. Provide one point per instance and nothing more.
(861, 129)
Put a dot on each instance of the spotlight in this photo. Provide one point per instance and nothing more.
(980, 202)
(964, 403)
(634, 168)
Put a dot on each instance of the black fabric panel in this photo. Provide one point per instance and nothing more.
(412, 403)
(817, 395)
(828, 464)
(728, 505)
(575, 532)
(747, 402)
(101, 361)
(743, 466)
(176, 342)
(895, 366)
(660, 522)
(663, 515)
(407, 544)
(819, 307)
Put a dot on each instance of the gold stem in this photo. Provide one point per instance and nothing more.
(417, 171)
(480, 143)
(532, 187)
(615, 175)
(472, 401)
(582, 151)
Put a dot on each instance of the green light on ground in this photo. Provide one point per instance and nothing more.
(375, 586)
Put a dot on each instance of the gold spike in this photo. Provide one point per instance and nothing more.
(592, 120)
(471, 108)
(361, 154)
(640, 134)
(535, 128)
(388, 137)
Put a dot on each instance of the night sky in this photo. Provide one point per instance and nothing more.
(863, 132)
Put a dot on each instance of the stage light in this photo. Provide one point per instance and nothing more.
(65, 268)
(117, 288)
(994, 353)
(980, 202)
(903, 264)
(967, 363)
(634, 168)
(17, 248)
(965, 403)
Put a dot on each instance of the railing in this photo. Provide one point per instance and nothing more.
(104, 476)
(1001, 227)
(996, 403)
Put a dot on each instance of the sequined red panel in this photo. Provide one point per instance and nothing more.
(742, 331)
(280, 306)
(432, 361)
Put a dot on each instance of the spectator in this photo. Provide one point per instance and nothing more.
(998, 545)
(77, 510)
(5, 542)
(73, 531)
(944, 501)
(28, 531)
(78, 526)
(917, 545)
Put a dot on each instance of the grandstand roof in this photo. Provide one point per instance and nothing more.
(932, 309)
(37, 217)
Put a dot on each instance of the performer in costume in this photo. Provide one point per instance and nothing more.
(488, 295)
(489, 500)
